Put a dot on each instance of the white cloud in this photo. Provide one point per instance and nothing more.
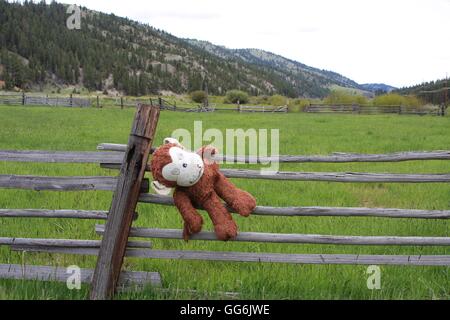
(399, 42)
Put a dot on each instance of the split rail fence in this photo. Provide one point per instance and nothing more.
(270, 109)
(130, 187)
(366, 109)
(23, 99)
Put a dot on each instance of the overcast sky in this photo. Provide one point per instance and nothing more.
(398, 42)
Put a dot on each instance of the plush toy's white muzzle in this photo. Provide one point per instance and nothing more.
(186, 168)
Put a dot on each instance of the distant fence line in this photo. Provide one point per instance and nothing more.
(368, 109)
(25, 99)
(271, 109)
(122, 102)
(18, 99)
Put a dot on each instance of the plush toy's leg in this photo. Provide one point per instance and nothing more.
(224, 226)
(192, 220)
(239, 200)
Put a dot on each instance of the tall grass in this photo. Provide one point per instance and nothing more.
(44, 128)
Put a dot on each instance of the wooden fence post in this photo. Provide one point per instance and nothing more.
(121, 102)
(98, 102)
(71, 100)
(23, 98)
(124, 202)
(160, 102)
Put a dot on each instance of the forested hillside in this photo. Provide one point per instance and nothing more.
(436, 92)
(113, 53)
(313, 79)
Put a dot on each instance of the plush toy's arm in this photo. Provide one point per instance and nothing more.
(239, 200)
(192, 220)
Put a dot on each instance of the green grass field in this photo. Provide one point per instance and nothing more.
(42, 128)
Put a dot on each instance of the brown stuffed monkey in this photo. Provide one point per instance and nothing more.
(198, 182)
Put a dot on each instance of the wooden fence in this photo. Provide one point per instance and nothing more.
(172, 106)
(25, 100)
(127, 187)
(130, 188)
(122, 102)
(269, 109)
(71, 101)
(366, 109)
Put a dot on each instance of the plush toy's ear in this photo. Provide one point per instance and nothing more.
(208, 153)
(173, 141)
(161, 189)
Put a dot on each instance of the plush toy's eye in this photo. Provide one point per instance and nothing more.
(184, 165)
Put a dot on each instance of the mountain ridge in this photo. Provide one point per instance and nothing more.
(267, 58)
(112, 53)
(378, 87)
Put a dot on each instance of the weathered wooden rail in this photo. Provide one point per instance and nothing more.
(368, 109)
(291, 238)
(128, 279)
(321, 211)
(130, 188)
(336, 157)
(261, 257)
(64, 243)
(346, 259)
(61, 156)
(263, 109)
(336, 176)
(56, 214)
(39, 183)
(363, 177)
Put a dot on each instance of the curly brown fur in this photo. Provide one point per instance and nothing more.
(206, 193)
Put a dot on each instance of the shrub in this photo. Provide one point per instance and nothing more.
(298, 105)
(413, 101)
(388, 100)
(277, 100)
(198, 96)
(215, 99)
(233, 96)
(341, 97)
(259, 100)
(394, 99)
